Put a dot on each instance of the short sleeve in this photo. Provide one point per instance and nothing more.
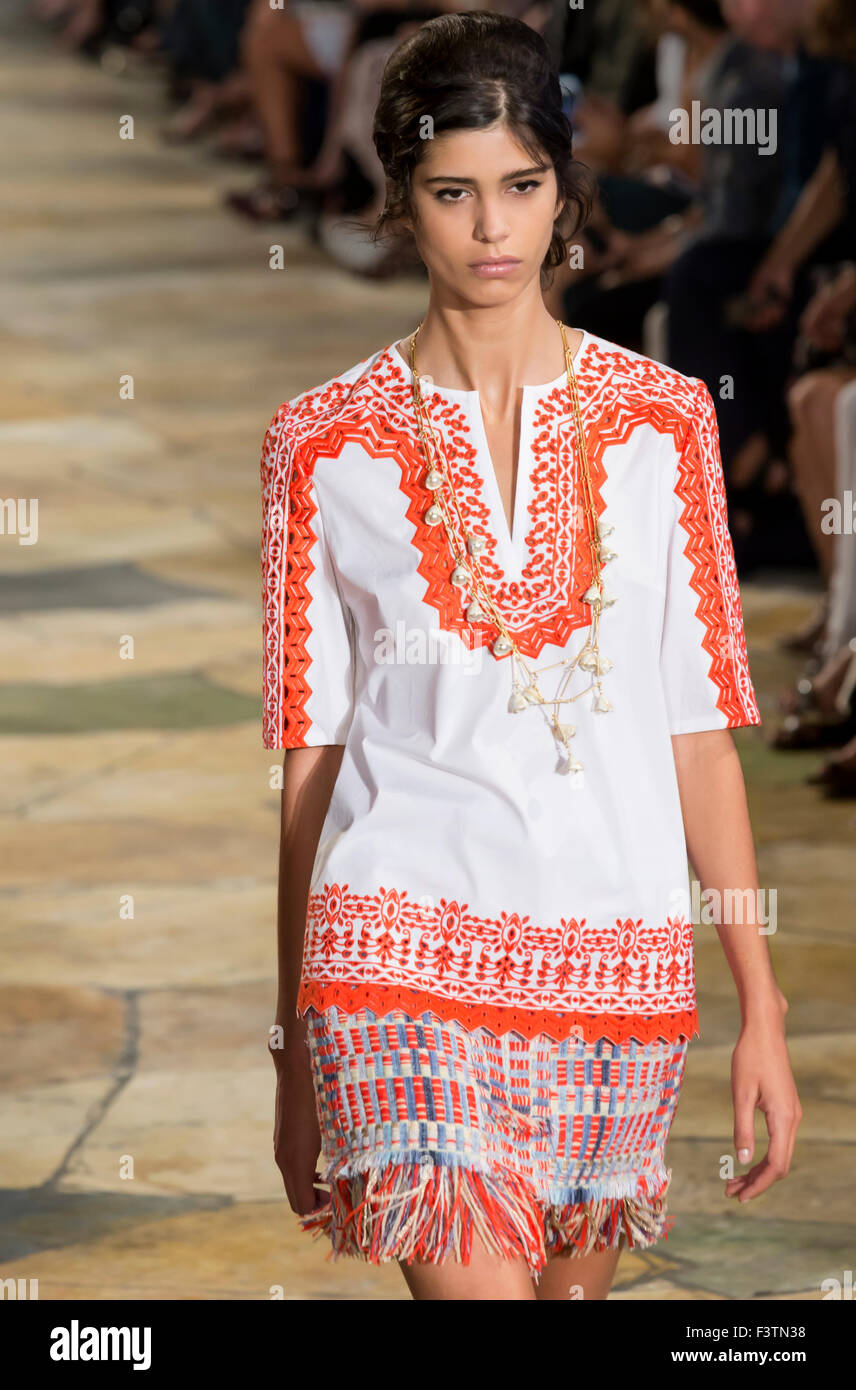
(703, 662)
(308, 667)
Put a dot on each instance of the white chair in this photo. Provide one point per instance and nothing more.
(841, 623)
(655, 334)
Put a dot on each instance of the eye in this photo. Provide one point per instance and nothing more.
(447, 195)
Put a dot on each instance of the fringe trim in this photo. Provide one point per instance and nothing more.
(578, 1228)
(408, 1209)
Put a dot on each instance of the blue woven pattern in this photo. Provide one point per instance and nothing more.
(572, 1130)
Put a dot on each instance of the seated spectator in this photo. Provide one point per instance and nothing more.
(87, 25)
(280, 49)
(313, 40)
(821, 710)
(202, 41)
(729, 281)
(733, 195)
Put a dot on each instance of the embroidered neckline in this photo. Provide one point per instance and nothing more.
(544, 604)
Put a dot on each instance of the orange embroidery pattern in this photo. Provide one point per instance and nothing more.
(386, 949)
(714, 579)
(619, 391)
(287, 564)
(547, 606)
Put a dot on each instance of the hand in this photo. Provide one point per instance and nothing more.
(825, 316)
(643, 255)
(296, 1135)
(771, 288)
(761, 1076)
(606, 252)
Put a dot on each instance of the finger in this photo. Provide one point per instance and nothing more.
(734, 1186)
(775, 1164)
(759, 1180)
(792, 1138)
(306, 1198)
(744, 1125)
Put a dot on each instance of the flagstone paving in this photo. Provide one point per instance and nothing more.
(139, 811)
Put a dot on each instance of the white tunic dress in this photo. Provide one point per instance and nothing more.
(498, 964)
(456, 870)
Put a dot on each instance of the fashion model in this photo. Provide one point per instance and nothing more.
(503, 650)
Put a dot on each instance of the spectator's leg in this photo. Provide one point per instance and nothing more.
(841, 626)
(811, 403)
(277, 56)
(208, 35)
(86, 19)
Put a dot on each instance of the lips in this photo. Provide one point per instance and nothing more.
(497, 260)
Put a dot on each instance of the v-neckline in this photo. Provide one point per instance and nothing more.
(511, 543)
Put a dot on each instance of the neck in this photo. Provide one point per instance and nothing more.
(494, 351)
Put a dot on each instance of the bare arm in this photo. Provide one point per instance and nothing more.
(721, 851)
(309, 775)
(817, 212)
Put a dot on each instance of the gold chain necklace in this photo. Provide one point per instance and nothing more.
(467, 574)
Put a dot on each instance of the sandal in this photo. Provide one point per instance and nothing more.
(837, 776)
(809, 725)
(806, 640)
(802, 697)
(841, 763)
(810, 694)
(265, 203)
(807, 731)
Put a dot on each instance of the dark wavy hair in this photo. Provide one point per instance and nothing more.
(467, 72)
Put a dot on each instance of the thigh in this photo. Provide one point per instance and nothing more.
(486, 1277)
(584, 1277)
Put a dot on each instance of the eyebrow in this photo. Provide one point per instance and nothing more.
(518, 174)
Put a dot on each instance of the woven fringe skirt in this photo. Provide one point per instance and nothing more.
(432, 1133)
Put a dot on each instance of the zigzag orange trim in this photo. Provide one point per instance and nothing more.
(709, 547)
(296, 625)
(617, 1028)
(287, 541)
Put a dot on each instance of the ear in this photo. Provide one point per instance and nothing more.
(405, 220)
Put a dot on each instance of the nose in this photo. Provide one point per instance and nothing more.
(491, 224)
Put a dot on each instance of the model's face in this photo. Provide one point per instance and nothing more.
(478, 196)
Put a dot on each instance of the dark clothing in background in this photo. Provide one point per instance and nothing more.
(804, 126)
(841, 108)
(203, 37)
(606, 44)
(740, 184)
(747, 209)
